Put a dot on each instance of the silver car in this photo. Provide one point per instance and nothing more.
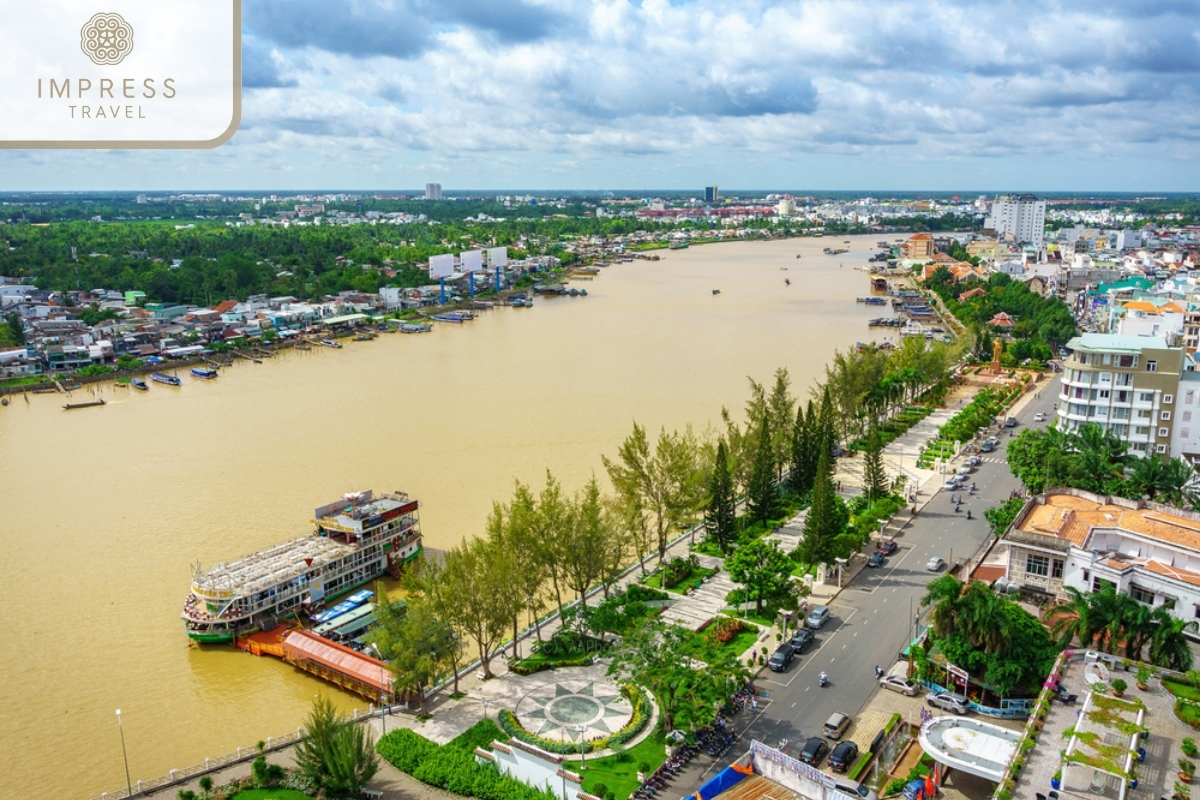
(898, 684)
(948, 701)
(817, 617)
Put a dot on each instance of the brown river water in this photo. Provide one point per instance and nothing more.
(105, 508)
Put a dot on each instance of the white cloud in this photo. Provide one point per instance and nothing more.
(827, 93)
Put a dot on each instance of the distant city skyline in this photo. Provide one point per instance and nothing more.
(891, 95)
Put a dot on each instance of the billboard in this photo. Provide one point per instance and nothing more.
(497, 256)
(441, 266)
(471, 260)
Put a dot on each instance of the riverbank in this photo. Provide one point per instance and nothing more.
(125, 498)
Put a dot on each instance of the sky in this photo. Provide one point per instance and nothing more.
(1025, 95)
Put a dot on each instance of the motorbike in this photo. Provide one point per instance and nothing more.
(824, 680)
(968, 514)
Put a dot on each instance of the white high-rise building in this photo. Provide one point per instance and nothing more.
(1021, 215)
(433, 191)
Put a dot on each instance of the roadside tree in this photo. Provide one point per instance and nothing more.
(764, 570)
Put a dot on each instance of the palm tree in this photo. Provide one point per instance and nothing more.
(1146, 476)
(1138, 622)
(1169, 647)
(1080, 617)
(944, 594)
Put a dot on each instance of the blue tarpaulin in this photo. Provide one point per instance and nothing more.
(719, 783)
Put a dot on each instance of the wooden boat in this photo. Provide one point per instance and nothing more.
(716, 291)
(330, 343)
(89, 404)
(139, 384)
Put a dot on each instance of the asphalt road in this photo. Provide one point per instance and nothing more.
(873, 619)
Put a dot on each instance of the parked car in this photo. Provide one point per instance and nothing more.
(836, 725)
(888, 546)
(780, 659)
(843, 756)
(974, 461)
(854, 789)
(801, 639)
(813, 751)
(935, 564)
(951, 483)
(817, 617)
(948, 701)
(1011, 422)
(1040, 416)
(876, 559)
(898, 684)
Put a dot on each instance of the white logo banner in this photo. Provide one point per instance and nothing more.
(120, 73)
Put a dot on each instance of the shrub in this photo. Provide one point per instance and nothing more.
(599, 790)
(1119, 686)
(451, 768)
(645, 594)
(1188, 746)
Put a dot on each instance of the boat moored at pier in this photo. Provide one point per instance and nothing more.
(208, 373)
(162, 377)
(355, 540)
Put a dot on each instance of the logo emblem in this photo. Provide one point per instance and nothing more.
(106, 39)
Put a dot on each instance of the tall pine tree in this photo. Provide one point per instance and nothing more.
(796, 474)
(874, 478)
(823, 523)
(720, 522)
(761, 497)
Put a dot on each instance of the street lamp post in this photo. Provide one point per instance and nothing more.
(124, 755)
(485, 702)
(582, 754)
(382, 713)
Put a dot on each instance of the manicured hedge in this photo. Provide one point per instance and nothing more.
(452, 768)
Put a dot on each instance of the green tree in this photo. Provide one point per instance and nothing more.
(414, 642)
(780, 412)
(667, 484)
(688, 691)
(720, 519)
(351, 761)
(762, 497)
(16, 328)
(474, 584)
(764, 570)
(875, 482)
(585, 541)
(1002, 516)
(804, 453)
(824, 522)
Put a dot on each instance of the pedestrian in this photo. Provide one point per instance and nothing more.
(878, 671)
(754, 705)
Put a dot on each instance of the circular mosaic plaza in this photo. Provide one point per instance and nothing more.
(556, 710)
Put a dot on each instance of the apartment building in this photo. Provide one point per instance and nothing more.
(1126, 384)
(1021, 216)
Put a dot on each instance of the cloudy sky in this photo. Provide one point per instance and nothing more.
(611, 94)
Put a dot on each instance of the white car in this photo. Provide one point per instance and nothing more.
(951, 483)
(898, 684)
(1040, 416)
(935, 564)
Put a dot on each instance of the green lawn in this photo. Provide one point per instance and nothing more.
(25, 380)
(619, 773)
(694, 575)
(1182, 689)
(271, 794)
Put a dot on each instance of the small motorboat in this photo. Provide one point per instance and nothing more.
(716, 291)
(139, 384)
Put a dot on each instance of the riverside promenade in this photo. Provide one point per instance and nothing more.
(447, 718)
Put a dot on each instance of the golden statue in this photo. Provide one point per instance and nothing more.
(997, 349)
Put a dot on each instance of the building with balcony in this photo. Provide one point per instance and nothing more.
(1071, 538)
(1125, 384)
